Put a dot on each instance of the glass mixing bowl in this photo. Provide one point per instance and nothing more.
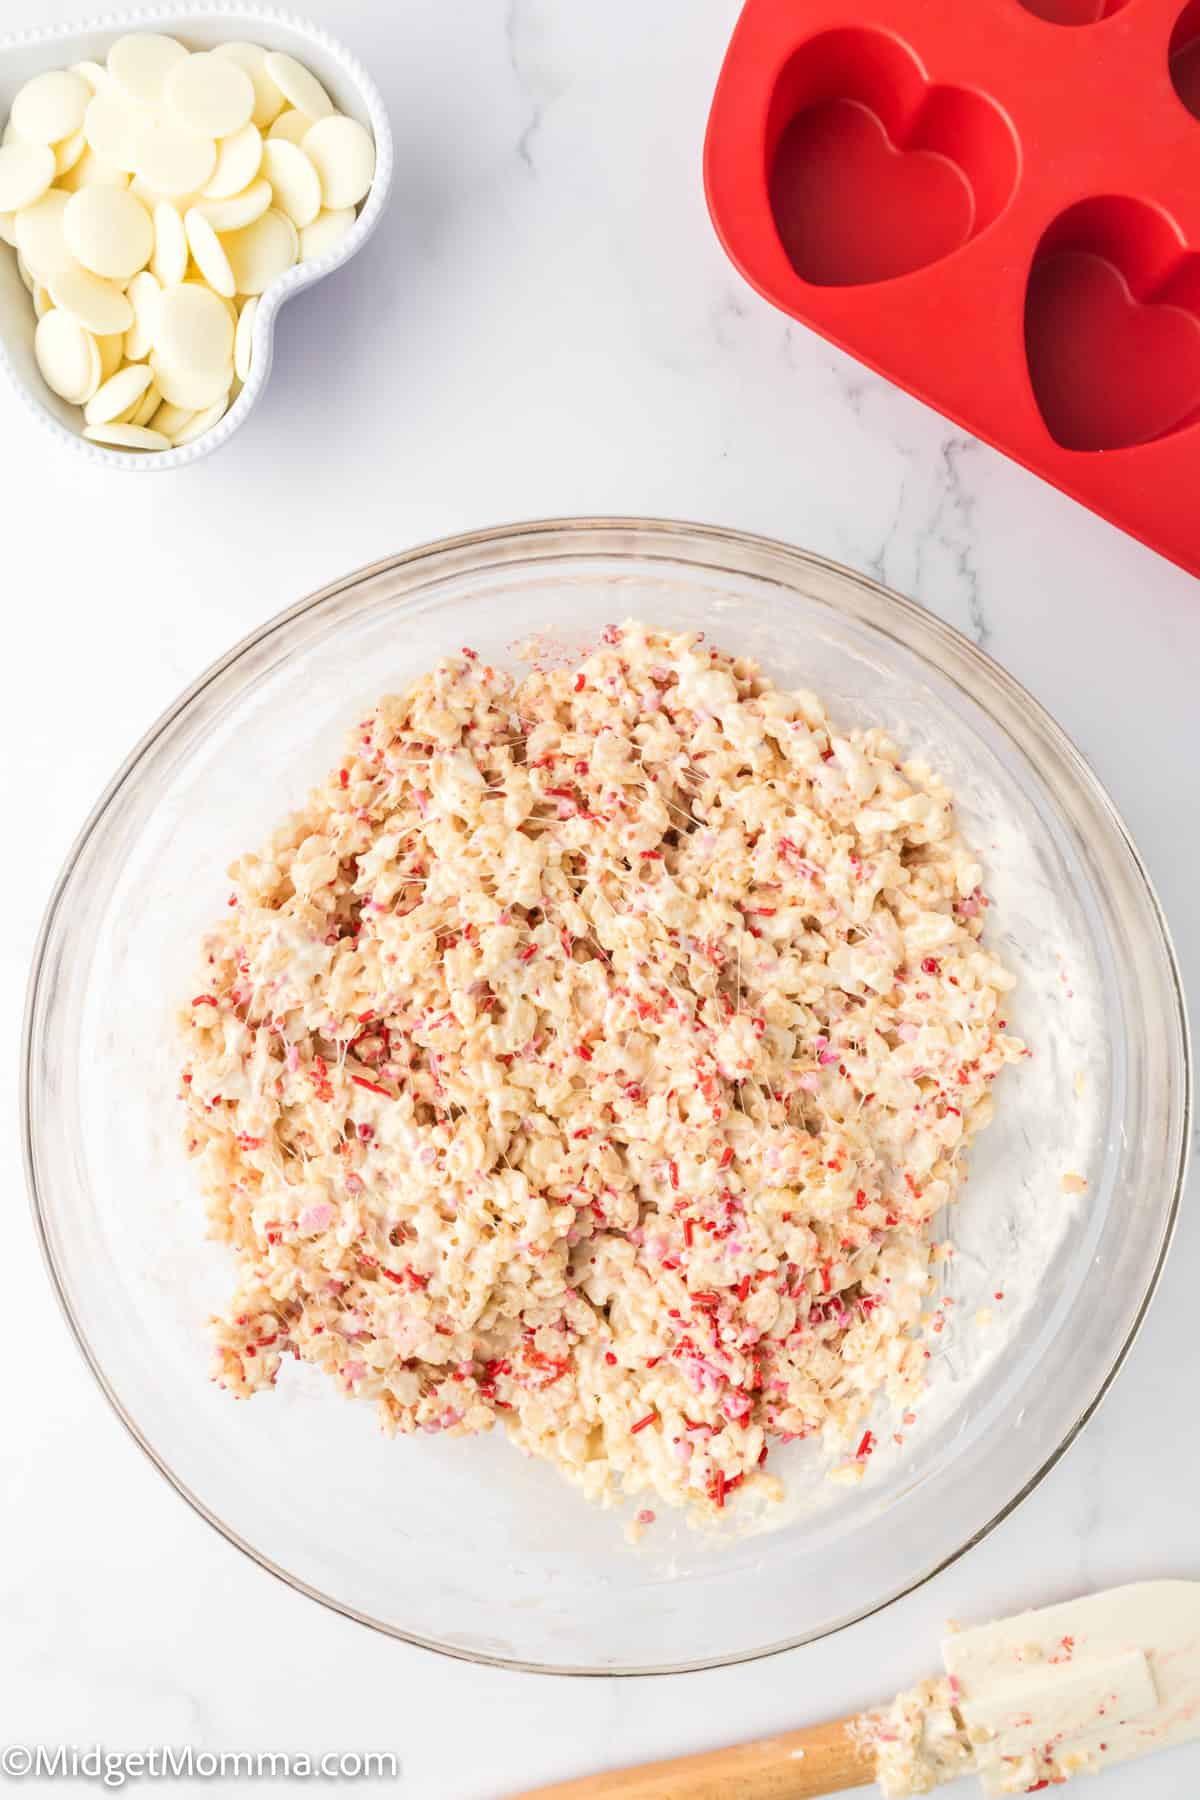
(465, 1546)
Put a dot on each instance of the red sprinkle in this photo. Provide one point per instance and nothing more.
(361, 1081)
(205, 1000)
(673, 1170)
(866, 1446)
(344, 777)
(642, 1423)
(726, 1157)
(580, 683)
(931, 966)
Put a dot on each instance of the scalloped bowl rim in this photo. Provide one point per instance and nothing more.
(293, 281)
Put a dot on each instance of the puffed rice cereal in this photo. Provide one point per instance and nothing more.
(593, 1051)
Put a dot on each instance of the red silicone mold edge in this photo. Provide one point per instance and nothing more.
(997, 207)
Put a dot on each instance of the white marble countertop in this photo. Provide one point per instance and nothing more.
(544, 325)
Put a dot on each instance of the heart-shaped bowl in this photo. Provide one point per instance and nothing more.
(27, 53)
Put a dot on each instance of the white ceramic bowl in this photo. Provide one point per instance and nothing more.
(28, 53)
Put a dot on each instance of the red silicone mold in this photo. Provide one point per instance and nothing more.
(996, 205)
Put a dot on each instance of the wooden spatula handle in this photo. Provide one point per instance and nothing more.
(799, 1765)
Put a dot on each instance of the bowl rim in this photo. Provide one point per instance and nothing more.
(293, 281)
(660, 537)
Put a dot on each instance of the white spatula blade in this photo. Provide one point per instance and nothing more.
(1075, 1687)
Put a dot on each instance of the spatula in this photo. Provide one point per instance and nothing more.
(1026, 1703)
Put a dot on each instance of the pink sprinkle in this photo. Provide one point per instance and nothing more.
(810, 1081)
(645, 1517)
(354, 1371)
(315, 1218)
(291, 1061)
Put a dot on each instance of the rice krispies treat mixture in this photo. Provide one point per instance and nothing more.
(919, 1741)
(593, 1052)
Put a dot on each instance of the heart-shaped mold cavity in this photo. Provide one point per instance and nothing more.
(1073, 12)
(1112, 326)
(874, 171)
(1184, 57)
